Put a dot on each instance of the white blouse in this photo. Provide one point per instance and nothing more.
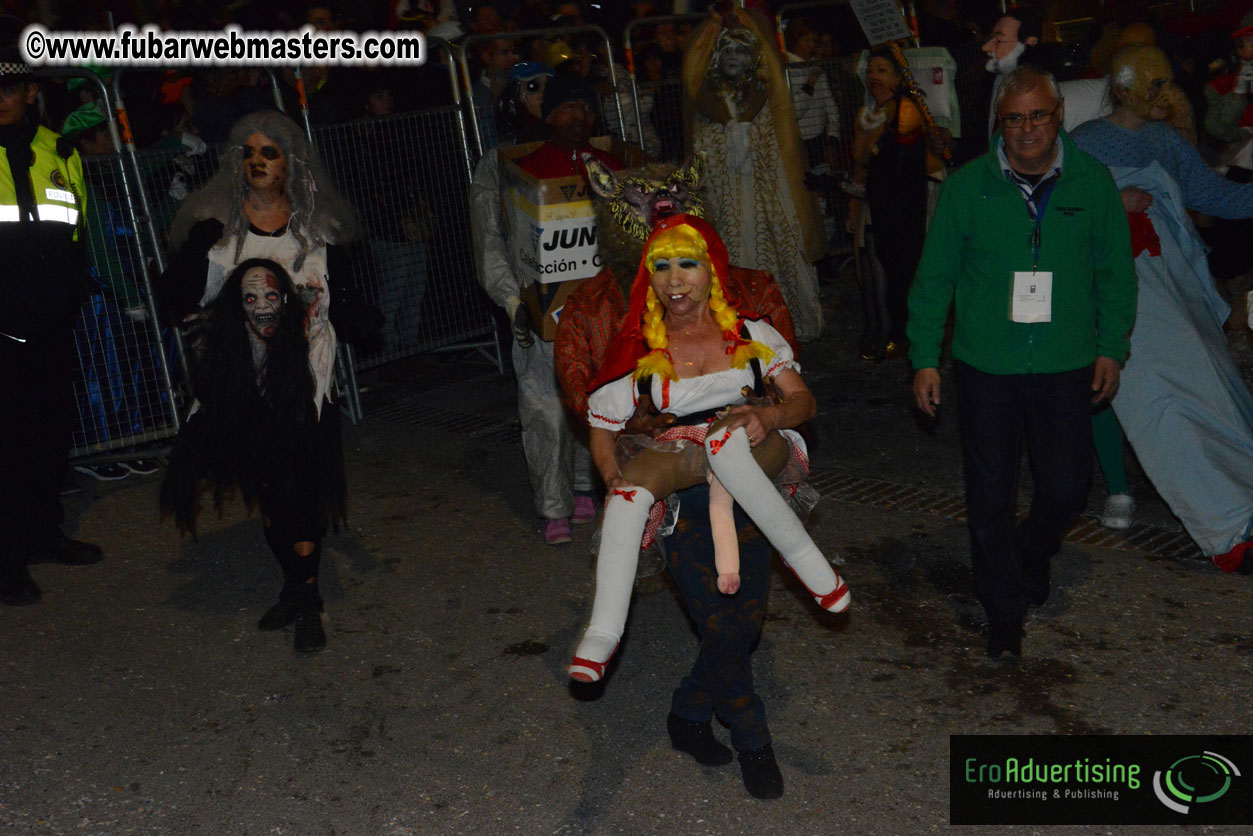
(613, 404)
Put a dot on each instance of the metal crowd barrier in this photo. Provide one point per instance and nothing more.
(658, 104)
(123, 385)
(407, 178)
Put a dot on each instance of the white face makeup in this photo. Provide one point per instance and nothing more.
(262, 301)
(734, 60)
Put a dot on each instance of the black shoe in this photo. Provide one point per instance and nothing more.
(697, 739)
(142, 467)
(1004, 638)
(762, 777)
(18, 588)
(309, 635)
(61, 549)
(280, 615)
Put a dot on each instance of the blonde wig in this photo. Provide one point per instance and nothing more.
(686, 242)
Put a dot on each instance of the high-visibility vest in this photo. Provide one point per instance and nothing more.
(57, 183)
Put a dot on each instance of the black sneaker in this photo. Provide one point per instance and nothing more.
(697, 740)
(762, 777)
(310, 636)
(17, 587)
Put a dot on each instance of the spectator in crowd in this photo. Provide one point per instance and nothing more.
(666, 114)
(557, 461)
(485, 19)
(741, 118)
(494, 60)
(118, 389)
(816, 112)
(890, 163)
(437, 18)
(43, 284)
(1182, 401)
(1037, 222)
(1228, 123)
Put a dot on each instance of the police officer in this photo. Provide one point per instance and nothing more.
(42, 285)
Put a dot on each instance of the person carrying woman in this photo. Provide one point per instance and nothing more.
(265, 232)
(684, 343)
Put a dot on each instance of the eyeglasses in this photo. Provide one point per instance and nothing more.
(1039, 118)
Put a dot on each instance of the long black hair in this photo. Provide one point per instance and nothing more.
(256, 420)
(225, 374)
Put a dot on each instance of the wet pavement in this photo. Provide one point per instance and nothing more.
(139, 698)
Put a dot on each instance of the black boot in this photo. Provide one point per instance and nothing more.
(293, 565)
(281, 614)
(57, 548)
(762, 777)
(310, 637)
(697, 739)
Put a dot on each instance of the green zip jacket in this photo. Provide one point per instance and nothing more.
(981, 235)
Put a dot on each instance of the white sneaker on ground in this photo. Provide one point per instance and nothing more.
(1119, 511)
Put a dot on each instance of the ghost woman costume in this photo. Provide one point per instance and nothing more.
(685, 455)
(755, 163)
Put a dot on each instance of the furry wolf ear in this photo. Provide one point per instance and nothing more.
(601, 178)
(693, 171)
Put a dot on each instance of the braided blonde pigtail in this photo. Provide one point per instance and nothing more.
(657, 361)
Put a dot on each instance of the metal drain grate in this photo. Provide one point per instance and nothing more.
(846, 487)
(1163, 542)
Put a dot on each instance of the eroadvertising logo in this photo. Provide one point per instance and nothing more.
(1100, 779)
(1210, 772)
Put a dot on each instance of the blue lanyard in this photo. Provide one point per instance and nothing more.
(1036, 204)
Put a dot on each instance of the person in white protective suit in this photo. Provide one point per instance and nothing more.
(557, 460)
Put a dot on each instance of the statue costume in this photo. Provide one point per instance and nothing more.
(744, 124)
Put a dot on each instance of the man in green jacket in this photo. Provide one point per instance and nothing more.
(1031, 243)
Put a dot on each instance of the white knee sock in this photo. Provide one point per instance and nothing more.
(620, 533)
(732, 462)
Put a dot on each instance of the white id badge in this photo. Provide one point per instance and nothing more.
(1033, 297)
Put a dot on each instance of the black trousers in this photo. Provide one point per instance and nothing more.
(721, 680)
(1054, 411)
(36, 422)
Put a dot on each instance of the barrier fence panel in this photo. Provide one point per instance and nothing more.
(405, 175)
(656, 91)
(122, 384)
